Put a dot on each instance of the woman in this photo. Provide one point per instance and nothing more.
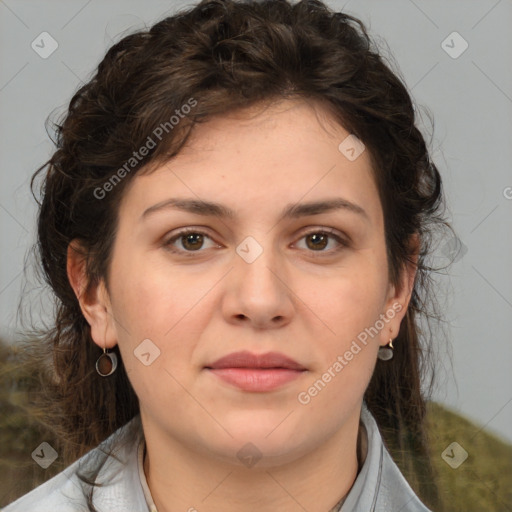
(235, 224)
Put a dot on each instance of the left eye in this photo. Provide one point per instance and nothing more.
(193, 240)
(318, 240)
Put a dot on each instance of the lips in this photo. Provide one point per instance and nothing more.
(247, 359)
(256, 373)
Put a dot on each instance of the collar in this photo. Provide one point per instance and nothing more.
(363, 494)
(142, 476)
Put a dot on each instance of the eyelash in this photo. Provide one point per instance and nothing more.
(324, 231)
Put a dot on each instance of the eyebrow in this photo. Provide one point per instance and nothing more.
(290, 211)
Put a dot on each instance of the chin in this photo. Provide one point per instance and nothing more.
(263, 444)
(253, 454)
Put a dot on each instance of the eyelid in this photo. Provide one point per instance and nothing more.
(330, 231)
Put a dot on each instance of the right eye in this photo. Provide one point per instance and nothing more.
(191, 240)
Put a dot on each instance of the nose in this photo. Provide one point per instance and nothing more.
(259, 292)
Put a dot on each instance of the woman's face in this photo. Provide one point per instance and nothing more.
(267, 278)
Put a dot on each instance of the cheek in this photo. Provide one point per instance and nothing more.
(353, 301)
(349, 305)
(346, 354)
(158, 309)
(152, 299)
(165, 307)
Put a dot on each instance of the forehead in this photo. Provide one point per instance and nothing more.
(278, 153)
(275, 123)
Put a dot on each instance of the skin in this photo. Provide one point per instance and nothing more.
(200, 308)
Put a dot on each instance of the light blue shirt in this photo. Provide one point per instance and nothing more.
(379, 486)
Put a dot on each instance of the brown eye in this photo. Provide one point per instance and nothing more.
(188, 241)
(192, 241)
(317, 240)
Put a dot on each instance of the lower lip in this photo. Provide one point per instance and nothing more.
(250, 379)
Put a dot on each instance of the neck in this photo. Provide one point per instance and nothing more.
(181, 479)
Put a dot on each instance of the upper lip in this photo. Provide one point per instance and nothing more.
(245, 359)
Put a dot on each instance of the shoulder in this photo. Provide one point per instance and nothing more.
(112, 464)
(62, 492)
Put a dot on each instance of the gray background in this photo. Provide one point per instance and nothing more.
(469, 96)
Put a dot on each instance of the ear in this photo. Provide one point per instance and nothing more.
(399, 295)
(93, 298)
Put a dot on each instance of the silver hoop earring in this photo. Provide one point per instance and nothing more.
(386, 352)
(106, 364)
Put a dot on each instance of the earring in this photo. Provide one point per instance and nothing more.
(107, 363)
(386, 353)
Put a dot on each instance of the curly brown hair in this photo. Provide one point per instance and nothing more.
(228, 55)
